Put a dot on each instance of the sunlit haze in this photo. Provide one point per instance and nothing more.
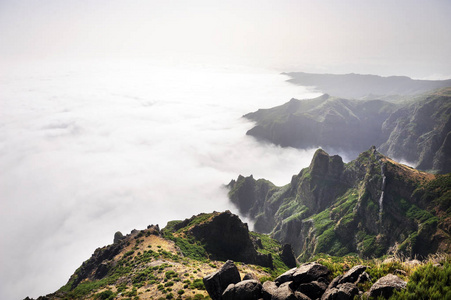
(119, 114)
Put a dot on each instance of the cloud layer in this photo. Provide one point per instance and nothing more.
(89, 149)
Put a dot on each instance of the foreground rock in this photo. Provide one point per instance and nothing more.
(246, 289)
(307, 282)
(386, 285)
(216, 283)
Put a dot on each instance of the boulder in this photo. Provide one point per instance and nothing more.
(314, 289)
(244, 290)
(345, 291)
(269, 289)
(335, 282)
(353, 274)
(386, 285)
(309, 272)
(287, 276)
(217, 282)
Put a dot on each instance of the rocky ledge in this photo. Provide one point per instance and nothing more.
(308, 281)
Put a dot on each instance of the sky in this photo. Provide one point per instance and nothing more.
(119, 114)
(405, 37)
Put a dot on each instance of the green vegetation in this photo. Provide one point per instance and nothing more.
(271, 246)
(430, 281)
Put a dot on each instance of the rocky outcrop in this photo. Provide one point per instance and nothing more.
(308, 281)
(287, 256)
(226, 237)
(386, 285)
(216, 283)
(375, 200)
(244, 290)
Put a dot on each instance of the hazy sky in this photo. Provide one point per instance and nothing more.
(92, 142)
(405, 37)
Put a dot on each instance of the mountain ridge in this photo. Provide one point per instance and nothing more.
(418, 131)
(385, 206)
(366, 86)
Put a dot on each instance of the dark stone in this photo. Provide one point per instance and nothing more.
(335, 282)
(226, 237)
(314, 289)
(244, 290)
(386, 285)
(353, 274)
(118, 236)
(310, 272)
(287, 276)
(217, 282)
(345, 291)
(287, 256)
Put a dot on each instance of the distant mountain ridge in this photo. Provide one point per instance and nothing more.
(371, 206)
(418, 130)
(359, 86)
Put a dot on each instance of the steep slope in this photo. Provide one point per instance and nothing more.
(418, 130)
(360, 86)
(370, 206)
(154, 264)
(421, 132)
(329, 122)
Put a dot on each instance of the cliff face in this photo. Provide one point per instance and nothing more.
(421, 132)
(370, 206)
(418, 131)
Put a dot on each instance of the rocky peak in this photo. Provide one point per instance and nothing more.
(226, 237)
(324, 165)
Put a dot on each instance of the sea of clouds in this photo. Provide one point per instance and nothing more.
(89, 148)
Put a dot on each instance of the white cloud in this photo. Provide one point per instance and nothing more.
(87, 150)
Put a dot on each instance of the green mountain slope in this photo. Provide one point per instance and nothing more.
(418, 130)
(371, 206)
(166, 264)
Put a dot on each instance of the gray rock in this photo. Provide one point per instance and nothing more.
(268, 289)
(310, 272)
(353, 274)
(345, 291)
(244, 290)
(118, 236)
(287, 276)
(386, 285)
(217, 282)
(271, 291)
(335, 282)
